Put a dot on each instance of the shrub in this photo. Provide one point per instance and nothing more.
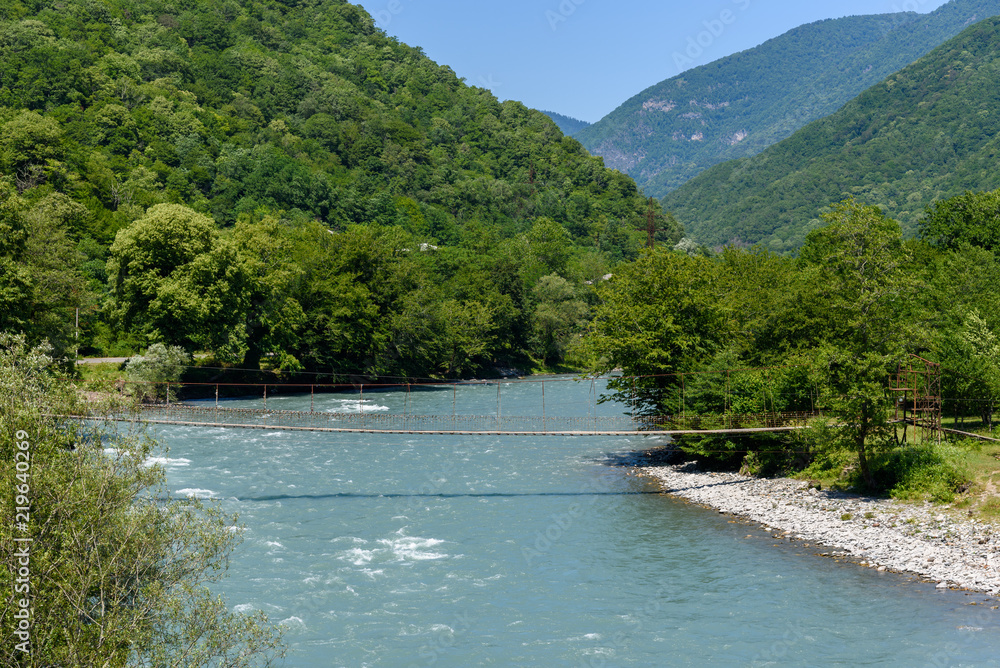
(936, 472)
(149, 373)
(119, 571)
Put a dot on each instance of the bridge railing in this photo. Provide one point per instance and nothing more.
(470, 424)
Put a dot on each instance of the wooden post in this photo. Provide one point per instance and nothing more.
(632, 411)
(312, 398)
(545, 426)
(683, 397)
(217, 396)
(265, 396)
(593, 391)
(361, 407)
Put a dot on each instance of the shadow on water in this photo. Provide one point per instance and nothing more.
(660, 455)
(669, 455)
(494, 495)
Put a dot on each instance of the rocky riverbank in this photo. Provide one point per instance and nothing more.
(934, 542)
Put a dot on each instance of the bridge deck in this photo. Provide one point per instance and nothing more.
(459, 425)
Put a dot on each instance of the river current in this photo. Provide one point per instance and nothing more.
(403, 550)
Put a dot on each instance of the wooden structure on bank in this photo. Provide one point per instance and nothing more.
(917, 386)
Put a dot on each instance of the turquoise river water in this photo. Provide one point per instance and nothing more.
(402, 550)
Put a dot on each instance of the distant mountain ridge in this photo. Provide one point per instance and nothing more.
(569, 125)
(739, 105)
(928, 132)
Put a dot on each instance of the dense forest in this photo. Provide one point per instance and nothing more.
(826, 330)
(739, 105)
(283, 182)
(926, 133)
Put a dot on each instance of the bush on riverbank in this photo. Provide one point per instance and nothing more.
(114, 572)
(935, 472)
(149, 374)
(931, 471)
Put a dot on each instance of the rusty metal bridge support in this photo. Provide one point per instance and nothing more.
(917, 389)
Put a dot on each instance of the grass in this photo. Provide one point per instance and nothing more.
(962, 472)
(990, 509)
(982, 498)
(100, 375)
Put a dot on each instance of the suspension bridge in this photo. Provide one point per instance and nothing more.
(462, 425)
(915, 386)
(550, 419)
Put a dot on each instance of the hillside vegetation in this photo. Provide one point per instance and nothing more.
(739, 105)
(748, 332)
(569, 126)
(926, 133)
(282, 181)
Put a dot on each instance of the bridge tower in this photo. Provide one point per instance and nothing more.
(917, 401)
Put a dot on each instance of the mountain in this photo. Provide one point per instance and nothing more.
(569, 126)
(390, 218)
(739, 105)
(928, 132)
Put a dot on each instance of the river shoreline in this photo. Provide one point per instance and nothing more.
(887, 535)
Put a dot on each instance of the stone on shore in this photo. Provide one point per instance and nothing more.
(879, 533)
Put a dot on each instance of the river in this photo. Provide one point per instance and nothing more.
(403, 550)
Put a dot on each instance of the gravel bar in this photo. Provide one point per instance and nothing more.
(884, 534)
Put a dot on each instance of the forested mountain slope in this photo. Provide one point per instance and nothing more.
(739, 105)
(387, 217)
(927, 132)
(569, 126)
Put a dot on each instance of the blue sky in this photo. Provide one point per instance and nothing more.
(583, 58)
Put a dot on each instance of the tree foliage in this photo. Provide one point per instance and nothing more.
(119, 572)
(204, 152)
(748, 331)
(658, 316)
(972, 218)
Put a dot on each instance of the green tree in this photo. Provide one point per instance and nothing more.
(273, 317)
(27, 143)
(466, 330)
(351, 285)
(53, 262)
(970, 218)
(175, 281)
(558, 317)
(855, 265)
(548, 249)
(15, 280)
(149, 373)
(659, 316)
(119, 571)
(971, 357)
